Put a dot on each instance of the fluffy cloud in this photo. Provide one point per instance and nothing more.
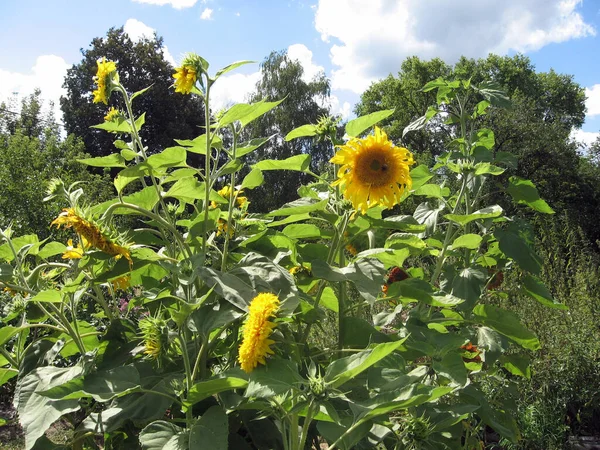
(585, 138)
(47, 74)
(374, 37)
(177, 4)
(139, 30)
(230, 89)
(206, 14)
(301, 53)
(593, 100)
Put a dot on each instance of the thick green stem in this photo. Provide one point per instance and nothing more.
(188, 374)
(207, 174)
(9, 357)
(232, 200)
(341, 305)
(306, 424)
(69, 328)
(100, 299)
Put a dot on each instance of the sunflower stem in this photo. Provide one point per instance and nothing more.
(207, 174)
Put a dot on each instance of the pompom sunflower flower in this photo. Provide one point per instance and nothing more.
(257, 329)
(373, 171)
(107, 70)
(91, 234)
(185, 79)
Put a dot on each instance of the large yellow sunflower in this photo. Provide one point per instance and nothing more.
(258, 328)
(373, 171)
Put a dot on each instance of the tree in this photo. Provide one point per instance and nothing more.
(32, 152)
(546, 107)
(303, 103)
(140, 65)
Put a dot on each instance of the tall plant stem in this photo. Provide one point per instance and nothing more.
(207, 157)
(232, 200)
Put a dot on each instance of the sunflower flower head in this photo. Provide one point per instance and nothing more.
(73, 252)
(257, 329)
(113, 114)
(373, 171)
(107, 72)
(185, 79)
(121, 283)
(154, 333)
(91, 234)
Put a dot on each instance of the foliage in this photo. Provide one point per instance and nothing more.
(282, 79)
(138, 332)
(142, 64)
(32, 152)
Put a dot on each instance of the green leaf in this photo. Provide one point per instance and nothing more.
(302, 231)
(514, 245)
(246, 113)
(254, 179)
(485, 213)
(427, 214)
(161, 435)
(432, 191)
(198, 145)
(205, 389)
(276, 378)
(48, 296)
(470, 241)
(538, 291)
(230, 67)
(251, 145)
(18, 243)
(300, 206)
(120, 126)
(52, 249)
(302, 131)
(345, 369)
(36, 412)
(300, 163)
(140, 121)
(114, 160)
(517, 364)
(7, 332)
(420, 175)
(147, 198)
(452, 367)
(485, 168)
(129, 175)
(493, 92)
(6, 271)
(211, 430)
(140, 92)
(508, 324)
(169, 157)
(228, 286)
(524, 192)
(356, 126)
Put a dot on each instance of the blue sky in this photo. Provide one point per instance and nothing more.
(354, 41)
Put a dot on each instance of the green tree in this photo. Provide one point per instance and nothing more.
(282, 79)
(141, 65)
(32, 152)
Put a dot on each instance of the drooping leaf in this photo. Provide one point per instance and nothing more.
(485, 213)
(302, 131)
(114, 160)
(524, 191)
(508, 324)
(537, 290)
(211, 430)
(356, 126)
(300, 163)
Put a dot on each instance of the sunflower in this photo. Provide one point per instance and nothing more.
(102, 80)
(72, 252)
(185, 78)
(112, 114)
(258, 328)
(373, 171)
(90, 233)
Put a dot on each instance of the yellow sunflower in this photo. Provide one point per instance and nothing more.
(102, 80)
(185, 78)
(258, 328)
(373, 171)
(112, 114)
(90, 233)
(72, 252)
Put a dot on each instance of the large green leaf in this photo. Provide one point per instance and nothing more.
(508, 324)
(524, 191)
(356, 126)
(147, 198)
(230, 67)
(299, 163)
(211, 430)
(485, 213)
(538, 291)
(169, 157)
(161, 435)
(302, 131)
(205, 389)
(514, 244)
(470, 241)
(114, 160)
(493, 92)
(48, 296)
(36, 412)
(250, 146)
(246, 113)
(345, 369)
(18, 243)
(452, 367)
(277, 377)
(254, 179)
(228, 286)
(300, 206)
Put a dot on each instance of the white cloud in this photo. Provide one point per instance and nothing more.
(373, 37)
(47, 74)
(585, 138)
(177, 4)
(206, 14)
(237, 14)
(593, 100)
(230, 89)
(139, 30)
(301, 53)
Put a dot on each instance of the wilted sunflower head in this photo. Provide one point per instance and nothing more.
(373, 171)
